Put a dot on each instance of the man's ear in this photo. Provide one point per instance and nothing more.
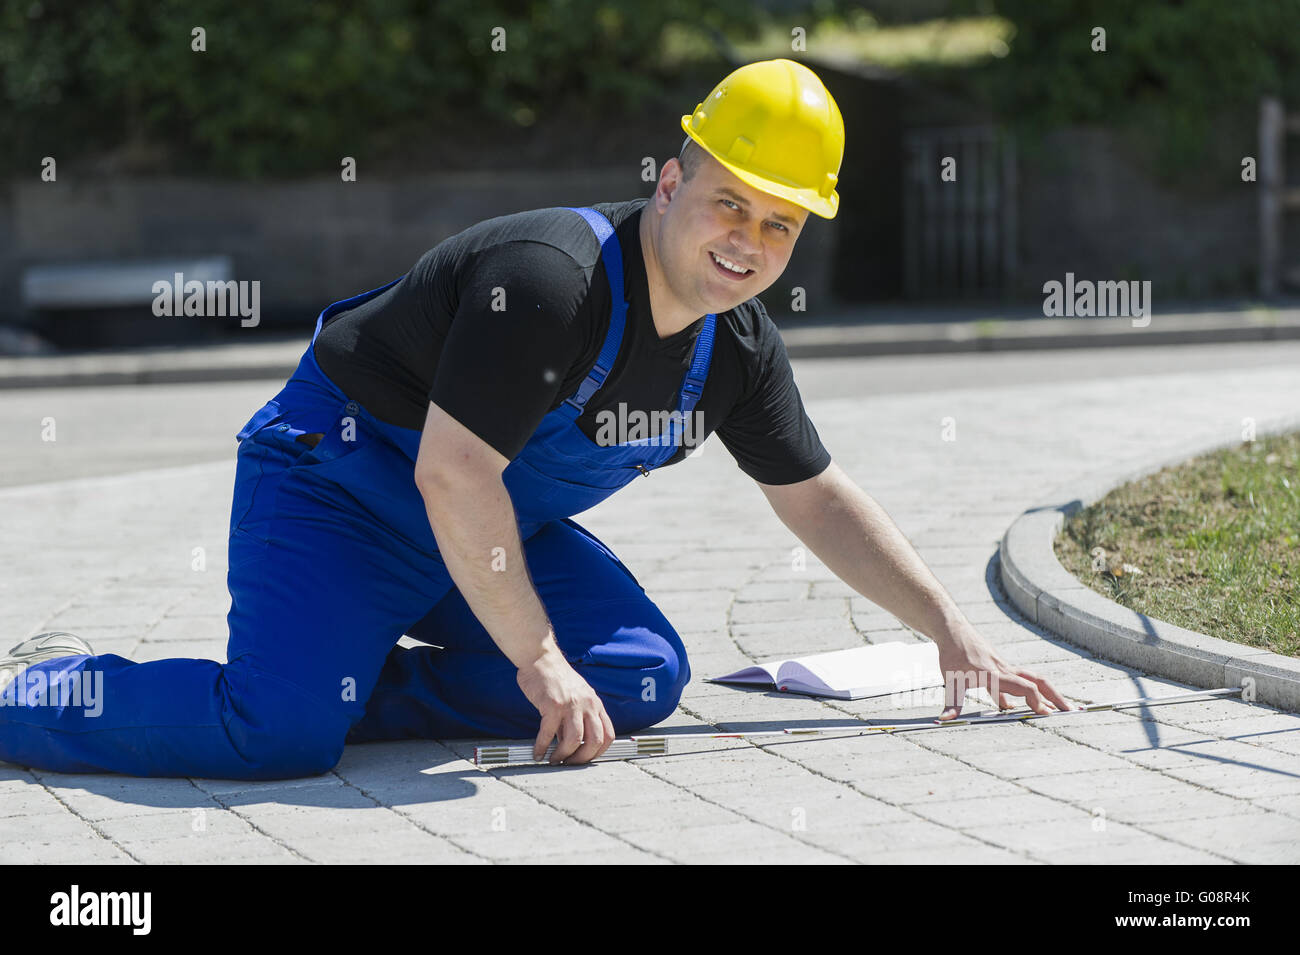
(670, 177)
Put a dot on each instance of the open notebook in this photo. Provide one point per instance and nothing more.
(874, 670)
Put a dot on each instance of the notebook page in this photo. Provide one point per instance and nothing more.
(875, 669)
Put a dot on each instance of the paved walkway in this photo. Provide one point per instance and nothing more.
(114, 559)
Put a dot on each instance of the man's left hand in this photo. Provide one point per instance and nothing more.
(969, 661)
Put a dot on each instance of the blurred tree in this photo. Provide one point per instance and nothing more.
(281, 84)
(1171, 71)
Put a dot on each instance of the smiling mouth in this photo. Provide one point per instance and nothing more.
(730, 273)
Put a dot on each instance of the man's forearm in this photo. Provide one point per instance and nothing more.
(853, 536)
(470, 519)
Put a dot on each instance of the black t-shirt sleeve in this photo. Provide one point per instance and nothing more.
(768, 432)
(513, 339)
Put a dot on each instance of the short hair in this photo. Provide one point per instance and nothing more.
(690, 157)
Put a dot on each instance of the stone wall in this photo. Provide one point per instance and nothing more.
(1087, 207)
(310, 242)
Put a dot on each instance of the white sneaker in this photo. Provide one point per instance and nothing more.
(51, 645)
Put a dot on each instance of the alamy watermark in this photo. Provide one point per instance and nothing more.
(213, 298)
(35, 687)
(654, 428)
(921, 691)
(1088, 299)
(129, 909)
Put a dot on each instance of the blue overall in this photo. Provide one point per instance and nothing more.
(332, 559)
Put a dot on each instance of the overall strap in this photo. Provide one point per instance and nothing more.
(329, 311)
(612, 256)
(693, 386)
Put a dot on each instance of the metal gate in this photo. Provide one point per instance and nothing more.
(959, 236)
(1277, 197)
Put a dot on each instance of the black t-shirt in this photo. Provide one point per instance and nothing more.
(500, 323)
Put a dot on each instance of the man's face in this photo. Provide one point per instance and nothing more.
(713, 215)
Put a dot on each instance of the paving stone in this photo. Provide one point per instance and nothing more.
(559, 840)
(1139, 851)
(1042, 762)
(407, 847)
(936, 787)
(685, 812)
(1101, 786)
(1026, 807)
(767, 855)
(718, 760)
(1209, 752)
(211, 603)
(1239, 782)
(212, 825)
(1251, 728)
(1242, 835)
(68, 851)
(1281, 743)
(198, 850)
(122, 646)
(1172, 806)
(782, 610)
(1022, 648)
(338, 796)
(37, 827)
(271, 788)
(1114, 691)
(81, 617)
(180, 649)
(737, 839)
(582, 795)
(764, 591)
(955, 854)
(1054, 840)
(860, 844)
(1287, 803)
(596, 857)
(1209, 711)
(869, 764)
(464, 818)
(1127, 738)
(968, 742)
(190, 629)
(19, 798)
(826, 808)
(297, 826)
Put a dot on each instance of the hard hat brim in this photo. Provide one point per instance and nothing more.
(809, 199)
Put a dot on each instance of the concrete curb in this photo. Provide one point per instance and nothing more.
(274, 359)
(845, 339)
(1056, 600)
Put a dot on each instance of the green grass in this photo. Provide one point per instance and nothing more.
(1217, 540)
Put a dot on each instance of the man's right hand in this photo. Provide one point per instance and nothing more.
(572, 713)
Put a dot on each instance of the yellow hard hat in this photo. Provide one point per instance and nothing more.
(775, 126)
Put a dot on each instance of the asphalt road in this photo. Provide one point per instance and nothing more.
(122, 429)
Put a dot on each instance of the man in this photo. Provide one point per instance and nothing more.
(418, 474)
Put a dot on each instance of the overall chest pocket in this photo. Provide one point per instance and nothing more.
(328, 447)
(315, 438)
(546, 497)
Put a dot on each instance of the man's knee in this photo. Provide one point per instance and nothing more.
(299, 752)
(280, 731)
(654, 672)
